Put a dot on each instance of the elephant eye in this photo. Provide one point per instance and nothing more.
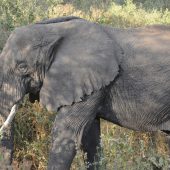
(22, 67)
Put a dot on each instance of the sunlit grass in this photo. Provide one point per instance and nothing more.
(127, 15)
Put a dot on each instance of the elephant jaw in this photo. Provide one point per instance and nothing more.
(9, 119)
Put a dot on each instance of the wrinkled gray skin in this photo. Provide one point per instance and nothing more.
(85, 71)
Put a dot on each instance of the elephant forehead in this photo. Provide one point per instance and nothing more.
(16, 48)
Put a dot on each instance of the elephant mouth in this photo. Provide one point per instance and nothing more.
(34, 88)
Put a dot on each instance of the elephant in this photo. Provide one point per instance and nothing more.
(85, 72)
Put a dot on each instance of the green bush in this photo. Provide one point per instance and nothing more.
(153, 4)
(130, 15)
(22, 12)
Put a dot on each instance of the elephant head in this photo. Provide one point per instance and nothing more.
(17, 73)
(18, 76)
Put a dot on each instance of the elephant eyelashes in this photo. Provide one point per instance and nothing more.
(22, 68)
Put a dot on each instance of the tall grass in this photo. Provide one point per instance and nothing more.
(122, 148)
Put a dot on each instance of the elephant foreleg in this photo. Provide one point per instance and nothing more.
(63, 146)
(68, 128)
(66, 137)
(91, 144)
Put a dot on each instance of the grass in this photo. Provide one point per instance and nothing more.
(127, 15)
(122, 148)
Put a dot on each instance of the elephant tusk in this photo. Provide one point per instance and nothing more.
(9, 118)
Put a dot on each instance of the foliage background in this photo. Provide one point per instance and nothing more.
(122, 148)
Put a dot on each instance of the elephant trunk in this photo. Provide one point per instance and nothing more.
(6, 141)
(11, 92)
(6, 144)
(6, 147)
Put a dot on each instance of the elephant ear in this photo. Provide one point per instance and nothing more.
(84, 62)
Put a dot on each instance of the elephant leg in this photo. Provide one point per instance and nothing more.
(91, 145)
(68, 130)
(6, 147)
(63, 146)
